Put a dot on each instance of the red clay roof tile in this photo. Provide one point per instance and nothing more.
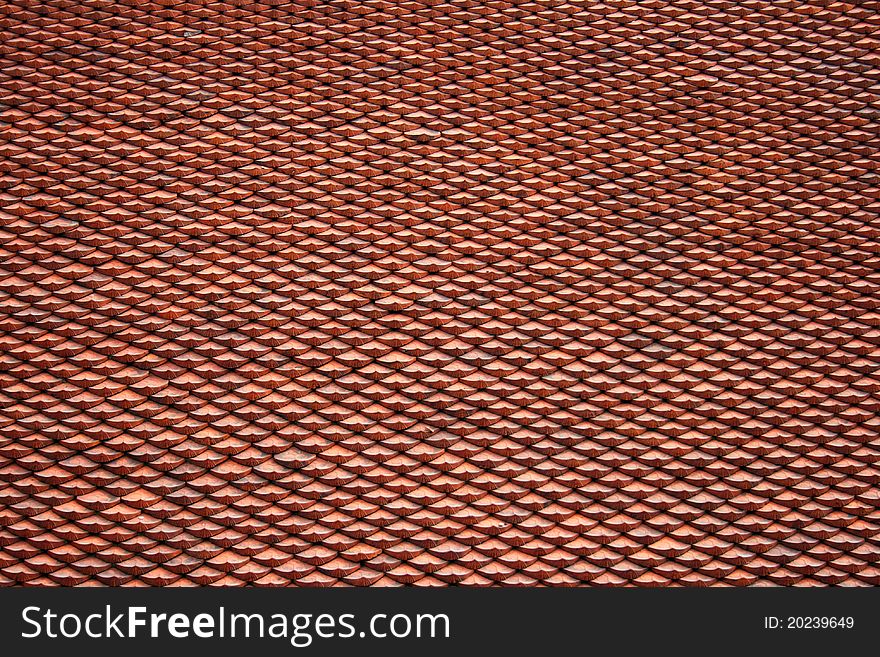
(530, 314)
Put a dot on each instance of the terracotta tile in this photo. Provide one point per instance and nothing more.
(348, 343)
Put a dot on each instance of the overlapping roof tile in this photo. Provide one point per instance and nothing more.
(480, 293)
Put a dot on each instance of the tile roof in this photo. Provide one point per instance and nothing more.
(467, 292)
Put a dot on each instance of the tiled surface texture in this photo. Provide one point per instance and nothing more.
(470, 292)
